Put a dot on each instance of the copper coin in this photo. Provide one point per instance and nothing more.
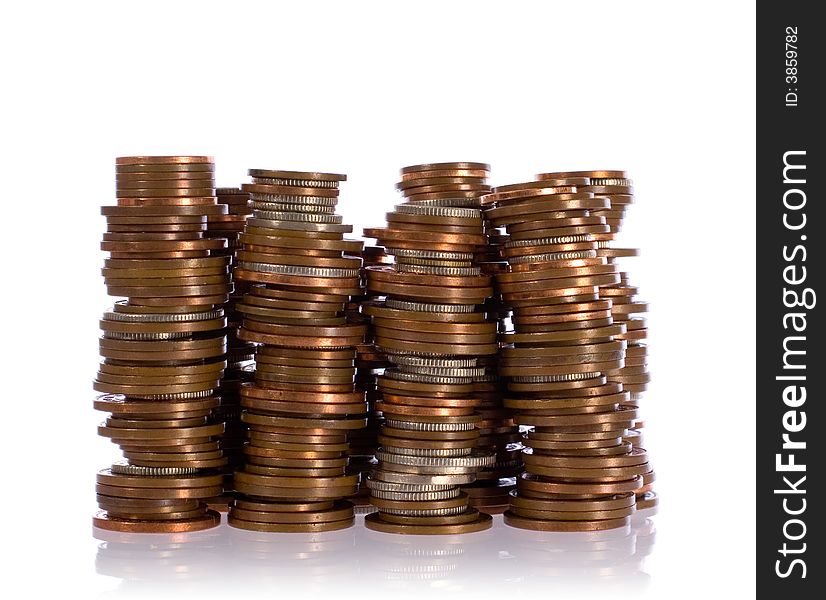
(251, 391)
(600, 174)
(169, 169)
(162, 160)
(141, 211)
(160, 493)
(290, 527)
(156, 176)
(310, 421)
(340, 510)
(153, 516)
(400, 410)
(209, 520)
(534, 483)
(305, 494)
(281, 506)
(478, 166)
(462, 402)
(374, 522)
(615, 502)
(543, 525)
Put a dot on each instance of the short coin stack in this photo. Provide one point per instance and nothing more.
(580, 474)
(163, 347)
(434, 331)
(303, 401)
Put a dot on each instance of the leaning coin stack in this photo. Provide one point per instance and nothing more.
(163, 347)
(303, 401)
(239, 353)
(433, 329)
(580, 474)
(625, 308)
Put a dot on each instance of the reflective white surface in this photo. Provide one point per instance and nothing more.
(359, 562)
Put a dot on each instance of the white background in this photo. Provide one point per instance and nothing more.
(365, 88)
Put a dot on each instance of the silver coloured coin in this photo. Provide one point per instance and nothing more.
(297, 271)
(163, 317)
(555, 378)
(430, 210)
(124, 468)
(288, 199)
(443, 271)
(387, 486)
(434, 254)
(297, 208)
(549, 241)
(428, 451)
(535, 258)
(311, 217)
(417, 426)
(427, 307)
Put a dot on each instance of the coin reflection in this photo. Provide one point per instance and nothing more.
(228, 558)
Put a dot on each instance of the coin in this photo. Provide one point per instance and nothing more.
(374, 521)
(548, 525)
(290, 527)
(104, 521)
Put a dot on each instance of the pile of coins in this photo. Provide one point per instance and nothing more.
(163, 347)
(580, 473)
(302, 274)
(239, 353)
(433, 330)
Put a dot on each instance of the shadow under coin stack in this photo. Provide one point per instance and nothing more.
(239, 353)
(580, 474)
(163, 347)
(303, 401)
(625, 308)
(433, 330)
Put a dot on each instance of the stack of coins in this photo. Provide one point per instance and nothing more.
(433, 329)
(163, 347)
(303, 401)
(239, 353)
(580, 474)
(625, 307)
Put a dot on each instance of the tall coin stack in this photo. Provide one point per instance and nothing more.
(626, 307)
(239, 353)
(303, 401)
(580, 473)
(434, 331)
(163, 347)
